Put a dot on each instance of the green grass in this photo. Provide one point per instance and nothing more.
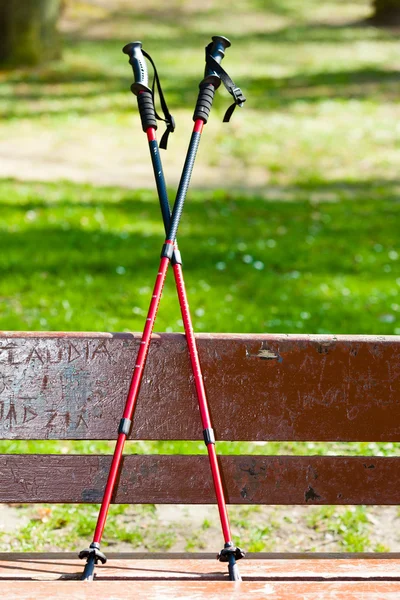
(66, 526)
(197, 447)
(299, 235)
(76, 257)
(321, 87)
(348, 524)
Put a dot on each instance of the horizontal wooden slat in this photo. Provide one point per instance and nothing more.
(202, 590)
(260, 387)
(174, 566)
(187, 479)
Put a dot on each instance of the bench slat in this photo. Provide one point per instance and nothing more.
(202, 590)
(186, 566)
(260, 387)
(187, 480)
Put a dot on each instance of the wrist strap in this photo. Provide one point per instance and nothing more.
(168, 118)
(234, 91)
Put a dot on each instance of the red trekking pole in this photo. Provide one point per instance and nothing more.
(230, 553)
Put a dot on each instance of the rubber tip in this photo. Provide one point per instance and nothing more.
(234, 574)
(88, 572)
(127, 49)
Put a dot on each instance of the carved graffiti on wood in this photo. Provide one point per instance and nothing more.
(16, 354)
(14, 415)
(74, 386)
(54, 387)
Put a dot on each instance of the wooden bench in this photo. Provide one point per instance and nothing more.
(260, 387)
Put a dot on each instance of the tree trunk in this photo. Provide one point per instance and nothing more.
(386, 12)
(28, 31)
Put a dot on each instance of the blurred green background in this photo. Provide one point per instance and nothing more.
(290, 225)
(291, 221)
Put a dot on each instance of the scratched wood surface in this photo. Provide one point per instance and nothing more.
(187, 479)
(260, 387)
(189, 566)
(201, 590)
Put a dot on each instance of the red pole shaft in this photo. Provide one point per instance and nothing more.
(137, 379)
(132, 397)
(198, 126)
(151, 134)
(197, 374)
(202, 399)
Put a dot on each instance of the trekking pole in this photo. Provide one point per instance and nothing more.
(230, 553)
(93, 553)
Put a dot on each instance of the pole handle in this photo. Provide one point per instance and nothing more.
(140, 86)
(216, 49)
(215, 74)
(139, 67)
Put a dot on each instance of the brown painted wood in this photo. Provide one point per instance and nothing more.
(201, 590)
(260, 387)
(187, 479)
(175, 567)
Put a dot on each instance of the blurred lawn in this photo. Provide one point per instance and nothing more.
(323, 258)
(300, 232)
(322, 90)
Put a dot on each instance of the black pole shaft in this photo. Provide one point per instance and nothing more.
(160, 183)
(162, 193)
(183, 185)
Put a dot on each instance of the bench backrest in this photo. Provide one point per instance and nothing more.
(260, 388)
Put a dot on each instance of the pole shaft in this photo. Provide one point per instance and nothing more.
(132, 397)
(202, 399)
(185, 179)
(189, 332)
(159, 177)
(148, 329)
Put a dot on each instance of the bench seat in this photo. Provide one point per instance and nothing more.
(198, 576)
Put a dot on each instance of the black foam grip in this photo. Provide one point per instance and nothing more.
(146, 110)
(204, 102)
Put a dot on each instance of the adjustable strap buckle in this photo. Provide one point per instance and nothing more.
(235, 92)
(170, 123)
(238, 96)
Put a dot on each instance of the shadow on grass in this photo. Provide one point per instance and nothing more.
(324, 33)
(91, 83)
(22, 195)
(89, 265)
(64, 235)
(185, 26)
(262, 92)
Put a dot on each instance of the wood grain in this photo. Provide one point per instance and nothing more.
(260, 387)
(201, 590)
(189, 566)
(187, 479)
